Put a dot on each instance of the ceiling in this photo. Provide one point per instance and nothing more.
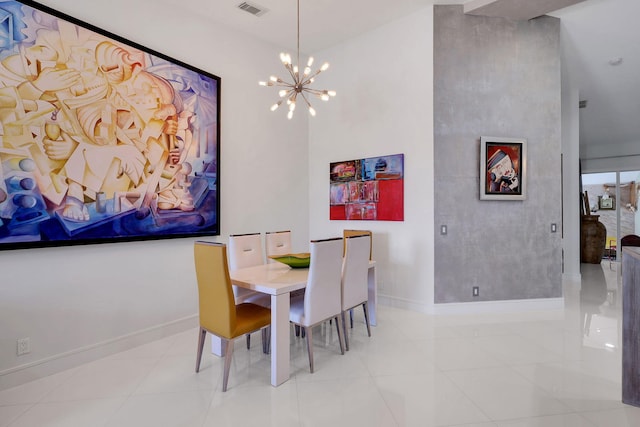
(597, 32)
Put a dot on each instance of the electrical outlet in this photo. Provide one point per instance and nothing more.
(24, 346)
(476, 291)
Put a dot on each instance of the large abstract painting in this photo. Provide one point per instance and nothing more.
(367, 189)
(101, 139)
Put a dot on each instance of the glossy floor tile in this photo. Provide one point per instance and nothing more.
(554, 368)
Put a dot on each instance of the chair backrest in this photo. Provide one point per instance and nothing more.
(245, 250)
(630, 240)
(322, 298)
(277, 243)
(217, 306)
(349, 233)
(355, 270)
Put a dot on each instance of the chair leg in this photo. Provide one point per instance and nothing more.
(310, 348)
(365, 306)
(201, 336)
(248, 341)
(340, 325)
(227, 364)
(351, 317)
(266, 339)
(297, 329)
(344, 330)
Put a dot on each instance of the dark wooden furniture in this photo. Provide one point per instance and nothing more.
(630, 240)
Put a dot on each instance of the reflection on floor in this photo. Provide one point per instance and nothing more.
(553, 368)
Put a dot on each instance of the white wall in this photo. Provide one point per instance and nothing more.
(384, 81)
(571, 183)
(79, 303)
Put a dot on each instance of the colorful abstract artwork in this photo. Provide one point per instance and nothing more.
(503, 168)
(101, 139)
(367, 189)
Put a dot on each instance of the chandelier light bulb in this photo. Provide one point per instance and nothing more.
(285, 58)
(331, 93)
(312, 111)
(295, 69)
(261, 83)
(292, 106)
(324, 66)
(307, 70)
(290, 114)
(275, 106)
(310, 61)
(324, 97)
(282, 93)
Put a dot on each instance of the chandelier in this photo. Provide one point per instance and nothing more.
(291, 92)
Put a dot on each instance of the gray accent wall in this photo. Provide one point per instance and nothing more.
(501, 78)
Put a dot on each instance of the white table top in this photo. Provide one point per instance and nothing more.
(272, 279)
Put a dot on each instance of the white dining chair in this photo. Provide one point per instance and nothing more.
(245, 250)
(322, 298)
(277, 243)
(355, 271)
(349, 233)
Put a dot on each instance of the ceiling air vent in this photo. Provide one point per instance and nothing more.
(582, 104)
(253, 9)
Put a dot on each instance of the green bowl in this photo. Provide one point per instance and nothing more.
(294, 260)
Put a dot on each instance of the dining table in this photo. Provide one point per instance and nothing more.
(279, 280)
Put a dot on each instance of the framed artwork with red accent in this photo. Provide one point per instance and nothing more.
(367, 189)
(503, 167)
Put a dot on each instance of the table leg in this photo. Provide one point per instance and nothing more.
(372, 295)
(280, 339)
(218, 346)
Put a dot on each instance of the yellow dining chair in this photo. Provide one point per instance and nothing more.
(218, 312)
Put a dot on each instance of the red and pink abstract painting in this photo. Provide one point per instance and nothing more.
(367, 189)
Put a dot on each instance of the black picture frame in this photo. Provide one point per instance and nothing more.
(101, 139)
(503, 168)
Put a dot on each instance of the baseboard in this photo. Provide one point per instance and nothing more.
(506, 306)
(21, 374)
(405, 304)
(572, 278)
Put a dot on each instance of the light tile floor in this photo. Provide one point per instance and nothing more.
(558, 368)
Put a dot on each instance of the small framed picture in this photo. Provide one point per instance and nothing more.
(606, 203)
(503, 167)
